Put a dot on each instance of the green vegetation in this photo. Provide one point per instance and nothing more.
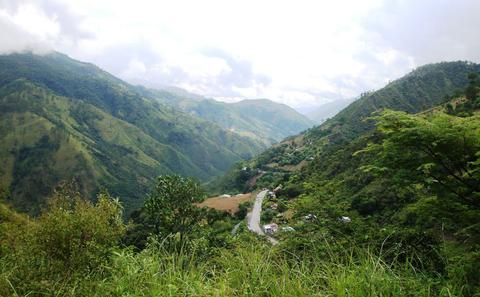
(261, 119)
(171, 207)
(402, 186)
(73, 249)
(61, 119)
(381, 200)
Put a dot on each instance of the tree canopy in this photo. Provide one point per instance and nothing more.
(171, 206)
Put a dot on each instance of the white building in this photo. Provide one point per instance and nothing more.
(270, 228)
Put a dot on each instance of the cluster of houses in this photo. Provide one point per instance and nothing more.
(311, 217)
(273, 228)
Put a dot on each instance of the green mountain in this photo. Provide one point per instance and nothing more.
(423, 88)
(404, 183)
(390, 208)
(260, 119)
(64, 119)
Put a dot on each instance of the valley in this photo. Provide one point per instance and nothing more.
(117, 136)
(159, 168)
(104, 189)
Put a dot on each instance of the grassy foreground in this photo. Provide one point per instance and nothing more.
(77, 248)
(249, 269)
(258, 271)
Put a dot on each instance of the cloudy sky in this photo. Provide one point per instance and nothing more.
(301, 53)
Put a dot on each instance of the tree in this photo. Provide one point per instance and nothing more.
(473, 87)
(440, 151)
(171, 206)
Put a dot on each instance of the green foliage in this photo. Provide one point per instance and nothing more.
(441, 152)
(77, 234)
(473, 89)
(242, 210)
(70, 241)
(171, 206)
(263, 120)
(61, 119)
(409, 185)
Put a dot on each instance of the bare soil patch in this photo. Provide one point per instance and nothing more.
(229, 204)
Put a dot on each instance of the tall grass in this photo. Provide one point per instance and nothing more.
(258, 270)
(249, 268)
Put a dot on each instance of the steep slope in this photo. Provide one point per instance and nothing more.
(419, 90)
(65, 119)
(278, 120)
(260, 119)
(423, 88)
(406, 184)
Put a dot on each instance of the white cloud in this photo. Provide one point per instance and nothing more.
(296, 52)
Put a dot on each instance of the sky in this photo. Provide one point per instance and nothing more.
(300, 53)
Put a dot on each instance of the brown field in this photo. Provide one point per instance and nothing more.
(226, 204)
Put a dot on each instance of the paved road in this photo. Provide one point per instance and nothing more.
(253, 217)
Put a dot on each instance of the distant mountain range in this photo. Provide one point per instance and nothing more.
(261, 119)
(61, 119)
(325, 111)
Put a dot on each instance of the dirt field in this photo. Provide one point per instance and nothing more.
(229, 204)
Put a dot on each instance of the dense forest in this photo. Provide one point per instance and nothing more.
(383, 200)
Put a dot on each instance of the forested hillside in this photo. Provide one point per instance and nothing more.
(62, 119)
(404, 183)
(423, 88)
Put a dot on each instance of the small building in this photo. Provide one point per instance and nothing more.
(274, 206)
(277, 189)
(345, 219)
(287, 229)
(310, 217)
(270, 228)
(271, 194)
(225, 196)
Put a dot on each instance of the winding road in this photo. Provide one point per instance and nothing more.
(253, 217)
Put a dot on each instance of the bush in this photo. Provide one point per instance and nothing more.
(71, 240)
(242, 210)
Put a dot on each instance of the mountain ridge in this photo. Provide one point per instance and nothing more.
(121, 138)
(261, 119)
(421, 89)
